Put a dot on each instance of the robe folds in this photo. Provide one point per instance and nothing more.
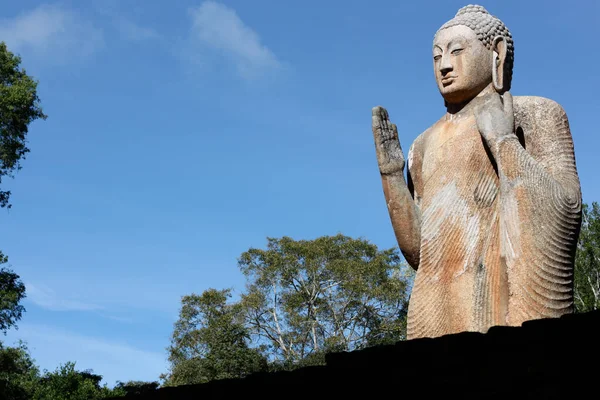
(498, 232)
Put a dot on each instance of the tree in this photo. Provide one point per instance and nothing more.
(302, 299)
(135, 388)
(19, 107)
(210, 341)
(20, 380)
(12, 291)
(18, 373)
(308, 297)
(587, 261)
(66, 383)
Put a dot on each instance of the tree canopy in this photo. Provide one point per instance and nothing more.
(20, 379)
(19, 107)
(18, 372)
(12, 292)
(332, 293)
(210, 341)
(587, 261)
(303, 299)
(134, 388)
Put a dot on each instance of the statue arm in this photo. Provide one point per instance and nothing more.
(540, 211)
(402, 207)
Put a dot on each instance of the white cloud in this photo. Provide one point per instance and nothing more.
(51, 346)
(49, 31)
(218, 27)
(47, 298)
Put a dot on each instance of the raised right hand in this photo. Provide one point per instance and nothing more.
(387, 144)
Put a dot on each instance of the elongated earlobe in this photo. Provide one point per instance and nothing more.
(499, 51)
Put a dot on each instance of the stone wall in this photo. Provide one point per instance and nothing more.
(543, 359)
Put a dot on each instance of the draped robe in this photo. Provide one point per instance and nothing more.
(498, 232)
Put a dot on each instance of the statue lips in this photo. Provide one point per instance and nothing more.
(447, 80)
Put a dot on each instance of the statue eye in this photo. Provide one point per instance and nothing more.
(437, 57)
(456, 51)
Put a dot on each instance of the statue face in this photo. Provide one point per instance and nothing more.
(462, 64)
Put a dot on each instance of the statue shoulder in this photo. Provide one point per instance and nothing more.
(543, 129)
(417, 150)
(535, 110)
(419, 143)
(534, 101)
(539, 119)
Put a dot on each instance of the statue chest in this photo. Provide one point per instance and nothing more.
(456, 163)
(459, 230)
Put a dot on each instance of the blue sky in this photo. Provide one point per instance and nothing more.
(182, 133)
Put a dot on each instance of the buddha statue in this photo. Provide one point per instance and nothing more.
(490, 209)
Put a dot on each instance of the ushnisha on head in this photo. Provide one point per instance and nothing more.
(471, 52)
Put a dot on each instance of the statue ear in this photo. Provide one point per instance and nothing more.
(499, 50)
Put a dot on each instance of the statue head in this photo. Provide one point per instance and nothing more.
(472, 51)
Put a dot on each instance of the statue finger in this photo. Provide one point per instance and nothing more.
(376, 111)
(385, 119)
(508, 102)
(394, 130)
(381, 124)
(395, 135)
(494, 100)
(376, 123)
(378, 117)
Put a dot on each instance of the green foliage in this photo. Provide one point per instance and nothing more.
(134, 388)
(19, 106)
(313, 359)
(186, 372)
(18, 373)
(587, 261)
(210, 341)
(305, 298)
(12, 291)
(66, 383)
(20, 380)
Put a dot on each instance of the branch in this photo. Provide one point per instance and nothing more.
(593, 288)
(336, 322)
(278, 327)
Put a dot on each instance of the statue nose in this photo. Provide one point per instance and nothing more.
(445, 65)
(444, 69)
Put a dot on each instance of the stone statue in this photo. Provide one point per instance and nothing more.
(490, 211)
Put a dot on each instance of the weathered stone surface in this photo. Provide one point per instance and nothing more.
(490, 211)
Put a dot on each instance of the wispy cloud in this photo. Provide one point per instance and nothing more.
(47, 298)
(52, 32)
(132, 31)
(126, 320)
(51, 346)
(219, 28)
(127, 28)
